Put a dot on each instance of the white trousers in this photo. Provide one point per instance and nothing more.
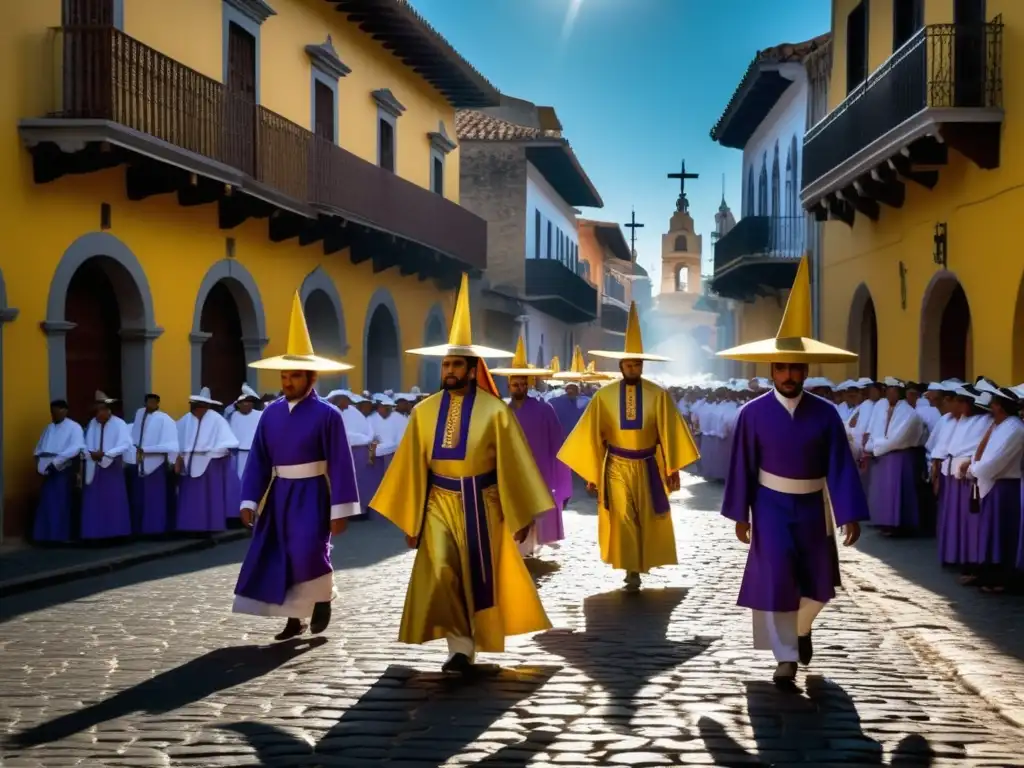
(460, 644)
(778, 631)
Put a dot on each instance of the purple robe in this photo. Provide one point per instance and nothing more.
(544, 435)
(893, 489)
(568, 411)
(368, 476)
(151, 499)
(56, 501)
(204, 501)
(105, 510)
(994, 538)
(791, 552)
(291, 541)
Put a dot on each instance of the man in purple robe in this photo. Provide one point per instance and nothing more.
(544, 436)
(568, 408)
(791, 462)
(105, 510)
(298, 490)
(150, 478)
(57, 460)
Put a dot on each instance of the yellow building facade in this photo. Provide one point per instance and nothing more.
(180, 174)
(917, 172)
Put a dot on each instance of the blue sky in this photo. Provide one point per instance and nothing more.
(637, 84)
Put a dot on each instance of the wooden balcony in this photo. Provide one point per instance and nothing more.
(942, 89)
(758, 256)
(557, 290)
(121, 103)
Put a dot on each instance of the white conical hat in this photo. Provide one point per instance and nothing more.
(204, 398)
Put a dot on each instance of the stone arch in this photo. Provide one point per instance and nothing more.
(682, 278)
(945, 329)
(435, 333)
(1017, 338)
(237, 280)
(382, 336)
(862, 332)
(137, 324)
(325, 317)
(7, 314)
(680, 244)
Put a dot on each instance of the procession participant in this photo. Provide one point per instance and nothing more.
(243, 421)
(461, 484)
(360, 442)
(387, 430)
(893, 436)
(790, 461)
(996, 471)
(208, 487)
(404, 402)
(105, 510)
(150, 478)
(57, 460)
(629, 446)
(568, 404)
(298, 490)
(544, 436)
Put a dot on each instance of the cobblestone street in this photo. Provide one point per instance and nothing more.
(147, 667)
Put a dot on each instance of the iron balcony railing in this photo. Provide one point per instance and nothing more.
(104, 74)
(943, 66)
(760, 237)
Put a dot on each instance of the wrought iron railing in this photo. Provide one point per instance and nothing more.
(942, 66)
(780, 237)
(104, 74)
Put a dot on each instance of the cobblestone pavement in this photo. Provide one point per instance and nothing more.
(146, 667)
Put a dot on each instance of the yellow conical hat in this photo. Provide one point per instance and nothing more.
(793, 342)
(555, 365)
(634, 348)
(460, 338)
(299, 355)
(597, 375)
(577, 371)
(519, 365)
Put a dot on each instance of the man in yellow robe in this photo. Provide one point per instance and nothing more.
(629, 446)
(460, 485)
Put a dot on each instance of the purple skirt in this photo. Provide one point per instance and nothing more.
(203, 501)
(105, 510)
(954, 501)
(892, 493)
(150, 500)
(56, 499)
(992, 537)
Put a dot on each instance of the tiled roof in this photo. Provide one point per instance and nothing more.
(777, 54)
(472, 125)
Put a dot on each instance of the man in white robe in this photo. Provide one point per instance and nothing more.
(360, 440)
(208, 488)
(150, 476)
(106, 513)
(243, 423)
(57, 454)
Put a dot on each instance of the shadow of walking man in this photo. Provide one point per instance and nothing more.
(821, 728)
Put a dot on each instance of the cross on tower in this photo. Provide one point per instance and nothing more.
(632, 226)
(682, 204)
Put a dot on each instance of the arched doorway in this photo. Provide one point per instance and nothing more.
(383, 369)
(862, 332)
(945, 330)
(1017, 337)
(228, 331)
(94, 341)
(322, 321)
(224, 367)
(100, 326)
(430, 374)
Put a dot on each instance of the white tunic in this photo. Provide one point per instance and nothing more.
(202, 440)
(963, 442)
(59, 444)
(116, 440)
(387, 432)
(357, 427)
(935, 447)
(1001, 458)
(903, 431)
(243, 425)
(157, 435)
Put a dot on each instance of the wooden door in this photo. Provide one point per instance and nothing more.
(969, 53)
(88, 57)
(93, 346)
(224, 366)
(240, 127)
(953, 332)
(88, 12)
(324, 112)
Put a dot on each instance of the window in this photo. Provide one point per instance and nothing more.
(682, 278)
(748, 209)
(550, 244)
(792, 180)
(437, 173)
(324, 111)
(907, 19)
(775, 181)
(537, 221)
(762, 187)
(857, 46)
(386, 144)
(680, 243)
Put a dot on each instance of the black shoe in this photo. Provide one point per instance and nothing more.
(292, 628)
(321, 618)
(785, 676)
(806, 648)
(458, 664)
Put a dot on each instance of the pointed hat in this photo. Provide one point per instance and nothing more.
(298, 355)
(519, 365)
(793, 342)
(460, 338)
(634, 348)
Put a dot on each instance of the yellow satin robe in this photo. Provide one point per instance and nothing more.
(439, 600)
(632, 537)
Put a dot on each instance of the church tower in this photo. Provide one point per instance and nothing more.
(681, 250)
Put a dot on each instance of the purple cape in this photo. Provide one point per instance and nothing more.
(544, 435)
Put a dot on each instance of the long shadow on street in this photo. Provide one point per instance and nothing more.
(624, 645)
(362, 545)
(198, 679)
(418, 719)
(821, 728)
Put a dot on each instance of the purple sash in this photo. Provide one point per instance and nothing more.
(481, 565)
(648, 457)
